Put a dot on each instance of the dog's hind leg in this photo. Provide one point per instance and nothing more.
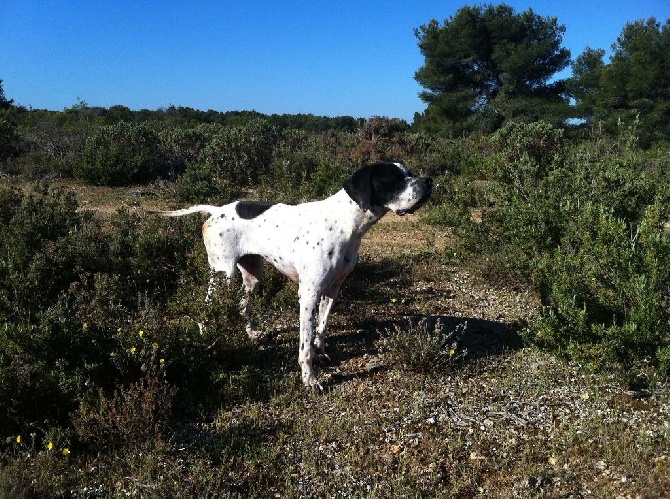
(211, 287)
(208, 298)
(251, 267)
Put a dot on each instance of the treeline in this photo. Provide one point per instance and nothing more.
(117, 146)
(176, 116)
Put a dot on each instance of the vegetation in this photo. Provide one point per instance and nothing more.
(586, 227)
(513, 340)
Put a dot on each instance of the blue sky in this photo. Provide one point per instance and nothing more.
(354, 58)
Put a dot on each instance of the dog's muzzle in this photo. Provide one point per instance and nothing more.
(425, 186)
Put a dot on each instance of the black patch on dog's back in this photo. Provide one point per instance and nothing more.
(251, 209)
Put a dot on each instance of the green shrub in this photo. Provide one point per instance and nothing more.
(199, 184)
(584, 225)
(10, 141)
(90, 314)
(181, 147)
(240, 154)
(304, 175)
(234, 159)
(39, 234)
(527, 151)
(605, 288)
(119, 154)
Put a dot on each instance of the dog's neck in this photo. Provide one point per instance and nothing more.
(361, 219)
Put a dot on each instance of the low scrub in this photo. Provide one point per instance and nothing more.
(584, 224)
(115, 378)
(606, 289)
(99, 318)
(425, 347)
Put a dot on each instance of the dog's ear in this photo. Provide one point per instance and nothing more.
(359, 187)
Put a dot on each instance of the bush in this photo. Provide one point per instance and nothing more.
(119, 154)
(10, 142)
(234, 159)
(302, 169)
(379, 139)
(39, 233)
(527, 151)
(181, 147)
(240, 154)
(45, 354)
(605, 289)
(83, 319)
(585, 225)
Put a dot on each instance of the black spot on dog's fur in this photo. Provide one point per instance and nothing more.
(251, 209)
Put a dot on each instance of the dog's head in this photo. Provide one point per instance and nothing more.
(388, 186)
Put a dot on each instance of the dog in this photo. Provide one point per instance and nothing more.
(314, 244)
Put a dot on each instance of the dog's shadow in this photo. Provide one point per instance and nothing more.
(362, 347)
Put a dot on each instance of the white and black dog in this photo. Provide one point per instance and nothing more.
(315, 244)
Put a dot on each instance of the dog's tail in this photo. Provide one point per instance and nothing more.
(200, 208)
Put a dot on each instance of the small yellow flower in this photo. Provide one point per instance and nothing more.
(66, 451)
(18, 439)
(161, 361)
(50, 446)
(112, 354)
(132, 349)
(452, 351)
(393, 300)
(154, 345)
(141, 333)
(84, 325)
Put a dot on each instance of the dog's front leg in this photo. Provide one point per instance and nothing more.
(309, 304)
(324, 311)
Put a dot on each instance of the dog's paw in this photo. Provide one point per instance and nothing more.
(319, 350)
(311, 381)
(255, 335)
